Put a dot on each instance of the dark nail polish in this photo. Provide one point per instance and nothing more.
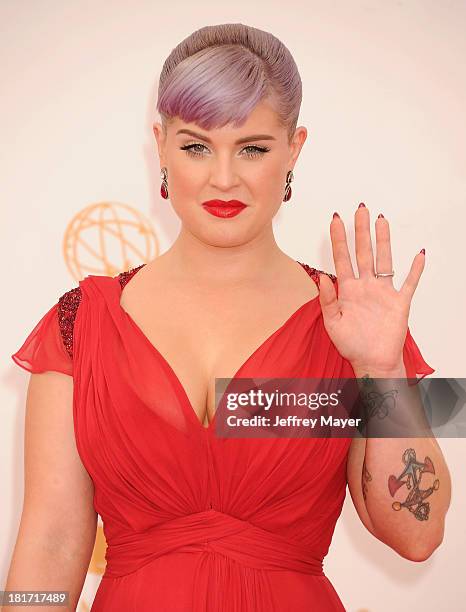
(423, 251)
(362, 204)
(380, 216)
(335, 214)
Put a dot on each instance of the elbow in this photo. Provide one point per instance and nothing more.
(423, 552)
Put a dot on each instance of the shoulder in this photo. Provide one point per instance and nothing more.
(68, 305)
(315, 273)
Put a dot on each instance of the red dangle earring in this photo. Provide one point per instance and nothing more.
(164, 185)
(289, 178)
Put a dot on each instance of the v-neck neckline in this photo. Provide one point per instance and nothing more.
(189, 406)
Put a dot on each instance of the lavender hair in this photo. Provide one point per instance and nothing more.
(219, 73)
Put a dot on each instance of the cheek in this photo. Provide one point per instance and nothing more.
(186, 177)
(267, 183)
(185, 183)
(268, 173)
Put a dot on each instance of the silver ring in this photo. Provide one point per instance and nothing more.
(380, 275)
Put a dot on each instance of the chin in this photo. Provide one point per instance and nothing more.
(224, 237)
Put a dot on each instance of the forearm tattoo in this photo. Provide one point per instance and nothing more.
(365, 478)
(411, 477)
(375, 403)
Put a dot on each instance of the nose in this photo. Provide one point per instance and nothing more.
(223, 175)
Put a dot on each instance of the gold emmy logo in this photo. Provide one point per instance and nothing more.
(107, 238)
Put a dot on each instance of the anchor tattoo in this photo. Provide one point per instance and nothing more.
(413, 471)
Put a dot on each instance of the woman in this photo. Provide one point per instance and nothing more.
(194, 521)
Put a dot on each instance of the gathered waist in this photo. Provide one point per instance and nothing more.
(210, 531)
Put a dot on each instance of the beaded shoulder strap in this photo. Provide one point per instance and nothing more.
(124, 277)
(314, 273)
(67, 308)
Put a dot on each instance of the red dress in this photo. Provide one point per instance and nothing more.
(195, 522)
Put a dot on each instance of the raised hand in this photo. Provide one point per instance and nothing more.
(369, 319)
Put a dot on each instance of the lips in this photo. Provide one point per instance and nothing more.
(229, 203)
(222, 208)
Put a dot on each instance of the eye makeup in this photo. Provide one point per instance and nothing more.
(252, 150)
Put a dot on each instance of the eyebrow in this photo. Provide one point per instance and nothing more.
(239, 141)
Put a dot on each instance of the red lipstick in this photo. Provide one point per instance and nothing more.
(221, 208)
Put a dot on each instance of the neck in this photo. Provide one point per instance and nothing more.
(236, 263)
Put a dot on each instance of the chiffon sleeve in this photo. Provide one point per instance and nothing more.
(413, 360)
(43, 349)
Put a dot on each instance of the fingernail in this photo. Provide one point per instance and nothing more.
(362, 204)
(380, 216)
(335, 214)
(423, 251)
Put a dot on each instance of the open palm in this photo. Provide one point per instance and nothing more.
(368, 320)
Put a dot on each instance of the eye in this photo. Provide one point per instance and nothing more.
(191, 150)
(255, 151)
(252, 150)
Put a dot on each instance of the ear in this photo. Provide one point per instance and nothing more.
(297, 142)
(160, 138)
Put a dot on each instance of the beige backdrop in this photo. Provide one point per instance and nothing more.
(384, 99)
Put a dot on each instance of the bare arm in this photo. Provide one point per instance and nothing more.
(401, 487)
(58, 523)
